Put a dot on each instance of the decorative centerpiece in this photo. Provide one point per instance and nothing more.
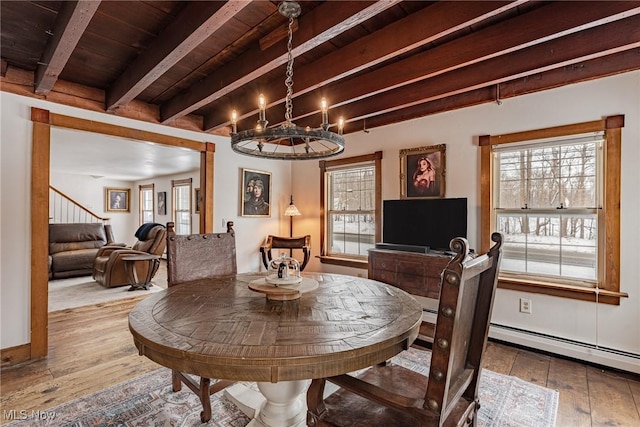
(283, 281)
(284, 271)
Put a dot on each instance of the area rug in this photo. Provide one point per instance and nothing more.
(78, 292)
(148, 401)
(81, 291)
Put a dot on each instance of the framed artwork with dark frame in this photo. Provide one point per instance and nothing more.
(162, 202)
(198, 199)
(117, 199)
(256, 193)
(422, 172)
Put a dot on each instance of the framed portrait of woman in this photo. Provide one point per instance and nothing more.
(422, 172)
(162, 202)
(198, 200)
(256, 193)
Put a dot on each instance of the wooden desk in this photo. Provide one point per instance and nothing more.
(221, 329)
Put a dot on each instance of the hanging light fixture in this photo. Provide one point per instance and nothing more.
(287, 141)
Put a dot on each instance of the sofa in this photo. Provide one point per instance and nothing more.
(73, 247)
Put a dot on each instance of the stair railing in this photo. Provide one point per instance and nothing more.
(64, 209)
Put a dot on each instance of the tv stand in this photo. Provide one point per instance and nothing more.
(403, 248)
(415, 273)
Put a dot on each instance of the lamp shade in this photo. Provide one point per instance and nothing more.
(291, 209)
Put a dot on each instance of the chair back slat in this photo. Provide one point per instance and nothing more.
(200, 256)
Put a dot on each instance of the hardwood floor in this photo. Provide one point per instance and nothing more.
(90, 348)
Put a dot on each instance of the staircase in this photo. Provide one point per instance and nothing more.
(63, 209)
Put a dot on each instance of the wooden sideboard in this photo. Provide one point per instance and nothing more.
(415, 273)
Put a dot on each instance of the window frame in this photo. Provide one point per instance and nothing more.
(327, 166)
(608, 288)
(141, 188)
(187, 182)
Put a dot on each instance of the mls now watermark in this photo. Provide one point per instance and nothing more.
(15, 414)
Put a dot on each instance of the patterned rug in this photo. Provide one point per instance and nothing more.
(148, 401)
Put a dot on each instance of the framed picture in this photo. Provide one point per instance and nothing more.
(256, 193)
(162, 202)
(117, 199)
(422, 172)
(198, 200)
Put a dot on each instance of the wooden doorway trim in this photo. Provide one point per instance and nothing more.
(43, 120)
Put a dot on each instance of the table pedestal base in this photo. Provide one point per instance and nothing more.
(130, 267)
(281, 404)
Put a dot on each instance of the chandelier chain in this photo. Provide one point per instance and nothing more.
(289, 80)
(287, 141)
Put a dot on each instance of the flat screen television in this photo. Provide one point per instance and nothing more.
(424, 222)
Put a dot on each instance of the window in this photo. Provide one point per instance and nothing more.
(547, 204)
(555, 194)
(351, 206)
(146, 203)
(181, 205)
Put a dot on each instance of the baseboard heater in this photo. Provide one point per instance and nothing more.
(617, 359)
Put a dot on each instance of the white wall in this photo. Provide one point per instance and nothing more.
(616, 327)
(15, 176)
(163, 183)
(89, 192)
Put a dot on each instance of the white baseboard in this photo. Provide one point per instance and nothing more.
(629, 362)
(624, 361)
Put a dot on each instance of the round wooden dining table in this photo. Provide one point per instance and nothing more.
(221, 329)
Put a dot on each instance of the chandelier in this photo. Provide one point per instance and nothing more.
(287, 141)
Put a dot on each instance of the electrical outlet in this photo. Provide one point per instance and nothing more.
(224, 222)
(525, 305)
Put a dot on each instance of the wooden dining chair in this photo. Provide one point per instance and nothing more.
(276, 243)
(192, 258)
(391, 395)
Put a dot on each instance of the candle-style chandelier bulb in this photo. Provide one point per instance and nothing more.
(262, 115)
(325, 114)
(234, 121)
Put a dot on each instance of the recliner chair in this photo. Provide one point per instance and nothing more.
(108, 266)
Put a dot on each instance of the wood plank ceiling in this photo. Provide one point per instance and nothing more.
(188, 64)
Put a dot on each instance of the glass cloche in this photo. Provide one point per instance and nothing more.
(284, 270)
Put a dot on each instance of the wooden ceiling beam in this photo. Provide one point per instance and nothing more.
(617, 63)
(192, 26)
(589, 44)
(391, 41)
(316, 27)
(72, 20)
(500, 39)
